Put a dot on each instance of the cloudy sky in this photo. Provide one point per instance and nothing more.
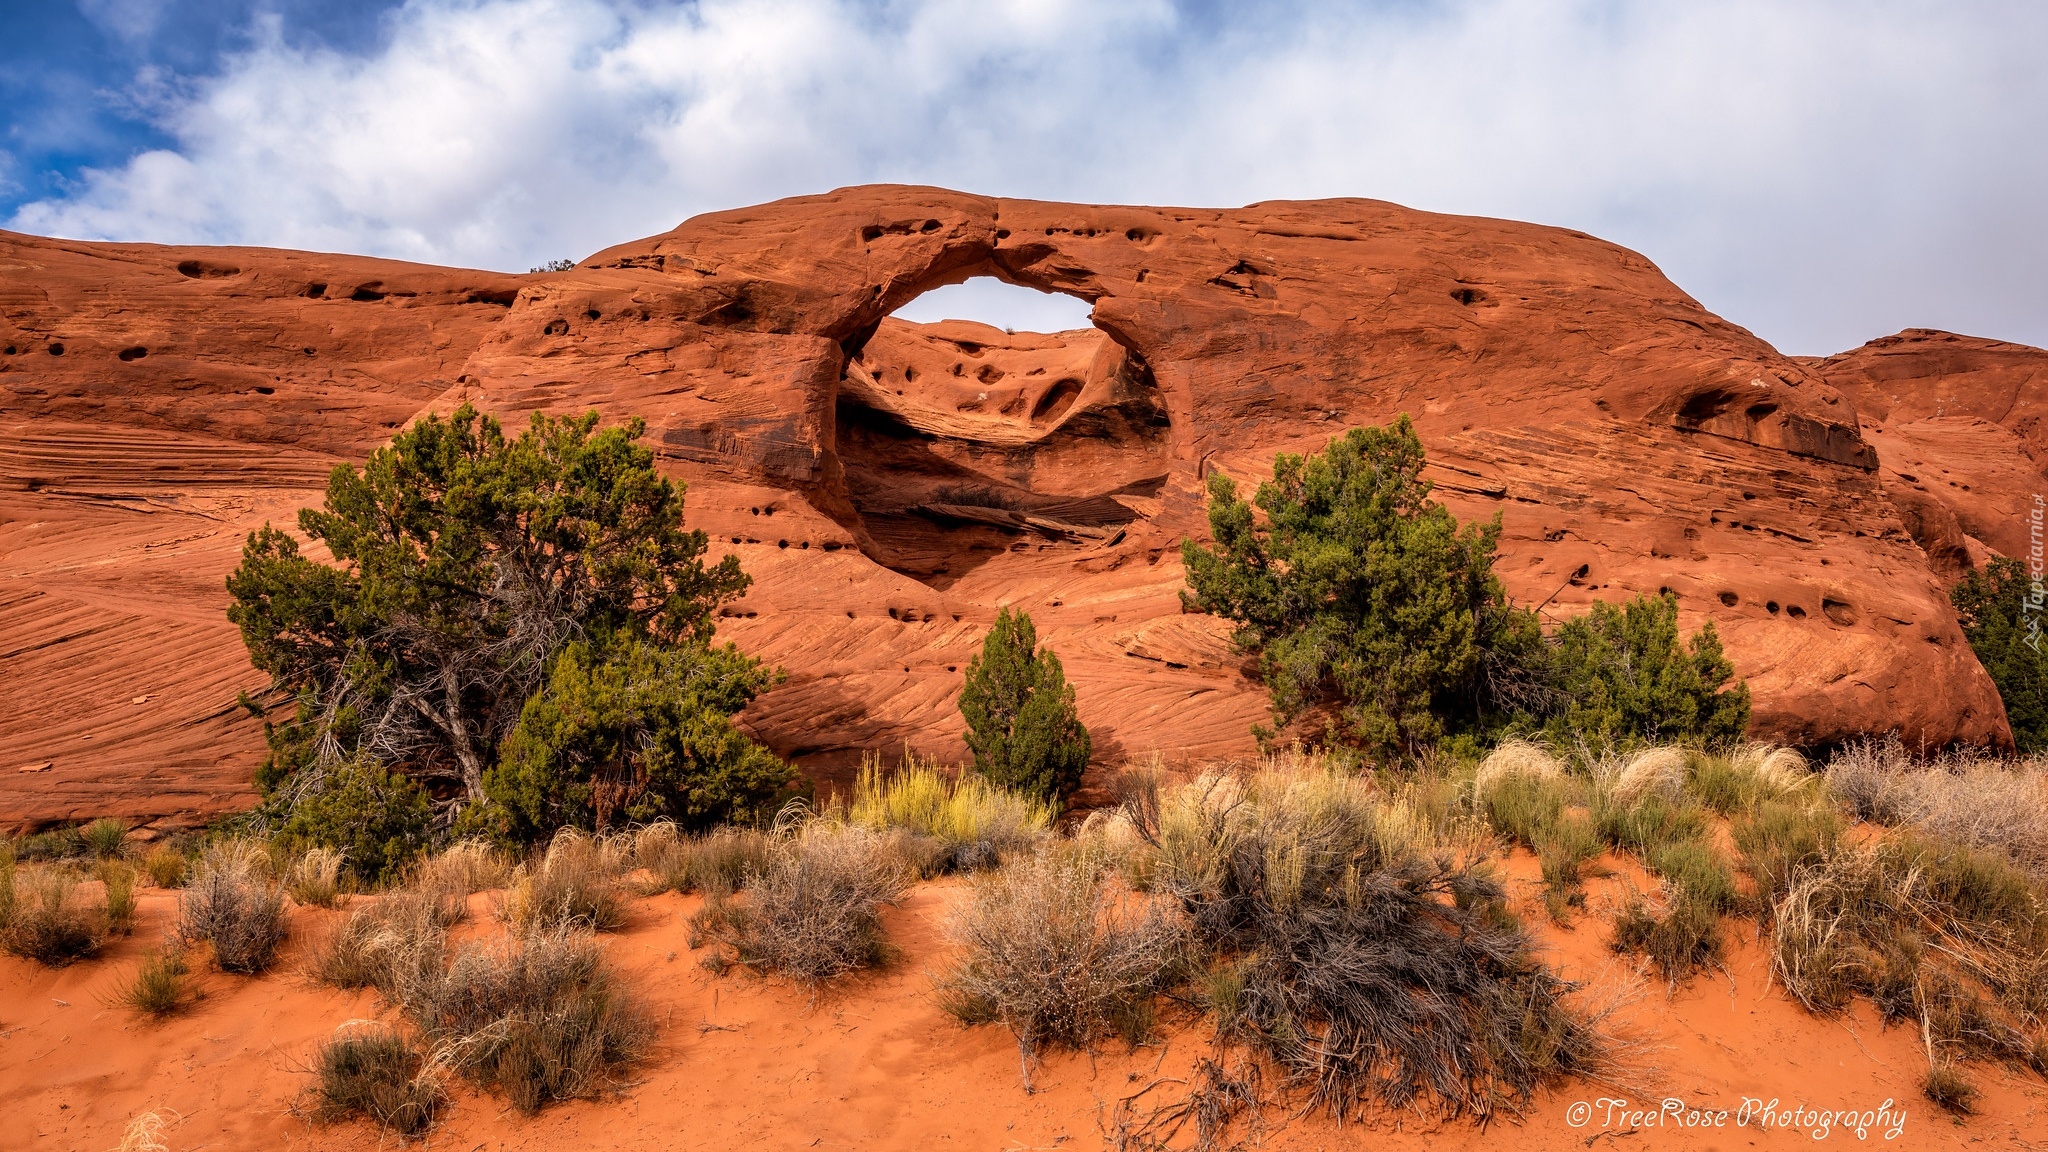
(1820, 172)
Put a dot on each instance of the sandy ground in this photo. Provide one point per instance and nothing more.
(747, 1063)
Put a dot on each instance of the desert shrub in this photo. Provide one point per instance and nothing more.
(815, 910)
(1021, 722)
(1951, 1089)
(716, 863)
(637, 731)
(314, 878)
(1958, 797)
(541, 1017)
(1055, 949)
(1777, 839)
(1370, 608)
(234, 904)
(52, 921)
(972, 822)
(1682, 938)
(575, 882)
(445, 880)
(379, 821)
(162, 985)
(1563, 850)
(465, 565)
(165, 866)
(7, 895)
(104, 838)
(1697, 870)
(376, 1073)
(1369, 957)
(1943, 938)
(1623, 676)
(1521, 806)
(50, 844)
(1999, 608)
(1650, 821)
(117, 885)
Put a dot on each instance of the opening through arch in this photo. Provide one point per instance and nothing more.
(1016, 428)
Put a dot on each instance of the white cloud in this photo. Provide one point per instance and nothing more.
(1822, 172)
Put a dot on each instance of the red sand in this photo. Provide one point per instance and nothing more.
(873, 1063)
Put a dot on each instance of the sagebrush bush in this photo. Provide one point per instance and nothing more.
(1055, 949)
(52, 921)
(541, 1016)
(1371, 953)
(815, 910)
(377, 1073)
(1960, 797)
(234, 904)
(1682, 938)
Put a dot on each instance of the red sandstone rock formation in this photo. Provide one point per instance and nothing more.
(889, 484)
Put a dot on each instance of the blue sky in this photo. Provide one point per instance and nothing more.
(1820, 171)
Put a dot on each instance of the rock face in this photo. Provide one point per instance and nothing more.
(890, 484)
(1961, 426)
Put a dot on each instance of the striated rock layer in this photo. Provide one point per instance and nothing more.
(890, 484)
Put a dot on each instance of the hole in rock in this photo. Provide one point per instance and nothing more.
(1771, 606)
(1729, 599)
(985, 419)
(1795, 611)
(1838, 611)
(56, 349)
(130, 354)
(315, 290)
(371, 291)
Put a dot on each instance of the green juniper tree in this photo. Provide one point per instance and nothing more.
(465, 565)
(1021, 722)
(1621, 675)
(1377, 619)
(2005, 624)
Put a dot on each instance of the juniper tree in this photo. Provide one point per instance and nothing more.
(1021, 721)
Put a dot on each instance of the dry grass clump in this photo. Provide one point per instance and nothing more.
(814, 911)
(165, 866)
(448, 878)
(1220, 1101)
(1363, 948)
(540, 1017)
(1658, 771)
(162, 985)
(1944, 938)
(117, 888)
(314, 879)
(1960, 797)
(1515, 758)
(716, 863)
(1750, 775)
(236, 905)
(577, 882)
(376, 1073)
(1055, 948)
(45, 916)
(145, 1133)
(971, 823)
(382, 943)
